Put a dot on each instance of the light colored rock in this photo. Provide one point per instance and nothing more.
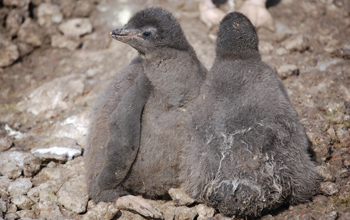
(185, 213)
(31, 33)
(295, 43)
(12, 163)
(325, 173)
(45, 192)
(265, 47)
(168, 210)
(50, 210)
(9, 52)
(76, 26)
(102, 211)
(281, 51)
(26, 214)
(5, 143)
(329, 188)
(180, 197)
(67, 7)
(57, 94)
(49, 173)
(49, 14)
(13, 21)
(11, 208)
(22, 202)
(83, 9)
(287, 70)
(16, 3)
(4, 182)
(73, 195)
(11, 216)
(20, 186)
(126, 215)
(70, 42)
(3, 206)
(205, 211)
(24, 49)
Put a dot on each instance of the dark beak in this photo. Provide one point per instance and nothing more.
(123, 34)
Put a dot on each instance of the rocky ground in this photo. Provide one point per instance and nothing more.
(57, 55)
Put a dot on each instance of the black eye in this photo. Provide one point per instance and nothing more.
(147, 34)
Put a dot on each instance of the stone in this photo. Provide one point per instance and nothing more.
(67, 7)
(11, 208)
(49, 14)
(329, 188)
(9, 52)
(346, 52)
(180, 197)
(5, 143)
(168, 210)
(295, 43)
(50, 210)
(3, 206)
(287, 70)
(22, 202)
(4, 182)
(30, 32)
(13, 21)
(73, 196)
(13, 163)
(70, 42)
(20, 186)
(330, 216)
(26, 214)
(325, 173)
(281, 51)
(265, 47)
(83, 8)
(185, 213)
(11, 216)
(56, 94)
(24, 49)
(76, 27)
(102, 210)
(16, 3)
(331, 46)
(96, 41)
(205, 211)
(45, 192)
(126, 215)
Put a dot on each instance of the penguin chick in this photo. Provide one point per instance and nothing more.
(175, 75)
(248, 152)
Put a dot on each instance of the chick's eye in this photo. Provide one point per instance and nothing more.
(147, 34)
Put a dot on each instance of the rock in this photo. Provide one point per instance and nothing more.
(57, 153)
(329, 188)
(326, 173)
(330, 216)
(49, 14)
(16, 3)
(295, 43)
(102, 210)
(331, 46)
(24, 49)
(180, 197)
(205, 211)
(73, 195)
(67, 7)
(12, 163)
(30, 32)
(45, 192)
(26, 214)
(22, 202)
(13, 21)
(48, 173)
(281, 51)
(185, 213)
(70, 42)
(126, 215)
(344, 215)
(168, 210)
(346, 52)
(331, 132)
(20, 186)
(287, 70)
(56, 94)
(83, 8)
(5, 143)
(3, 206)
(3, 14)
(4, 182)
(11, 208)
(9, 52)
(11, 216)
(96, 41)
(49, 210)
(265, 47)
(76, 27)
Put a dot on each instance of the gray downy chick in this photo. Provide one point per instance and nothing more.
(248, 152)
(175, 75)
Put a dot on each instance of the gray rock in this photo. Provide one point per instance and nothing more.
(205, 211)
(295, 43)
(70, 42)
(180, 197)
(73, 195)
(329, 188)
(287, 70)
(330, 216)
(49, 14)
(5, 143)
(13, 21)
(265, 47)
(9, 52)
(102, 210)
(325, 172)
(20, 186)
(22, 202)
(26, 214)
(185, 213)
(76, 27)
(30, 32)
(45, 192)
(57, 94)
(12, 163)
(3, 206)
(83, 9)
(24, 49)
(346, 52)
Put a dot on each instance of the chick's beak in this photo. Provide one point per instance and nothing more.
(124, 34)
